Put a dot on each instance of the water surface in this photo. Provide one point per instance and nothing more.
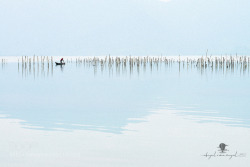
(92, 115)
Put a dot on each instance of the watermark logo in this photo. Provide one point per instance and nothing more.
(222, 147)
(224, 152)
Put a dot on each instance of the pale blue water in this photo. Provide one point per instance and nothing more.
(93, 116)
(87, 97)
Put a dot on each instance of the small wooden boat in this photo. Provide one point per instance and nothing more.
(59, 63)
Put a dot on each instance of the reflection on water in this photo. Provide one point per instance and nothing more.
(161, 140)
(107, 93)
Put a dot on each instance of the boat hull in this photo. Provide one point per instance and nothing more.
(60, 63)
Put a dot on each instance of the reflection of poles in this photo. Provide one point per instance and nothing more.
(22, 66)
(34, 72)
(29, 66)
(37, 66)
(25, 66)
(144, 65)
(51, 65)
(138, 66)
(102, 66)
(131, 63)
(179, 62)
(48, 66)
(248, 64)
(61, 67)
(18, 66)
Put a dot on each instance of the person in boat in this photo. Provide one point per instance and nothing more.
(61, 61)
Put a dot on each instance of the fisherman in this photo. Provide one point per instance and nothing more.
(61, 60)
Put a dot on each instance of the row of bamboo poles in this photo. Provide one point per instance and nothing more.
(202, 61)
(3, 61)
(223, 62)
(45, 63)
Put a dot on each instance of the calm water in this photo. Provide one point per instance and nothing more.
(92, 115)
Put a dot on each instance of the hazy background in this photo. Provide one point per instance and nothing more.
(123, 27)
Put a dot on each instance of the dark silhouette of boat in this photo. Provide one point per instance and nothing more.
(59, 63)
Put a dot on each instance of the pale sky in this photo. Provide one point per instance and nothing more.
(124, 27)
